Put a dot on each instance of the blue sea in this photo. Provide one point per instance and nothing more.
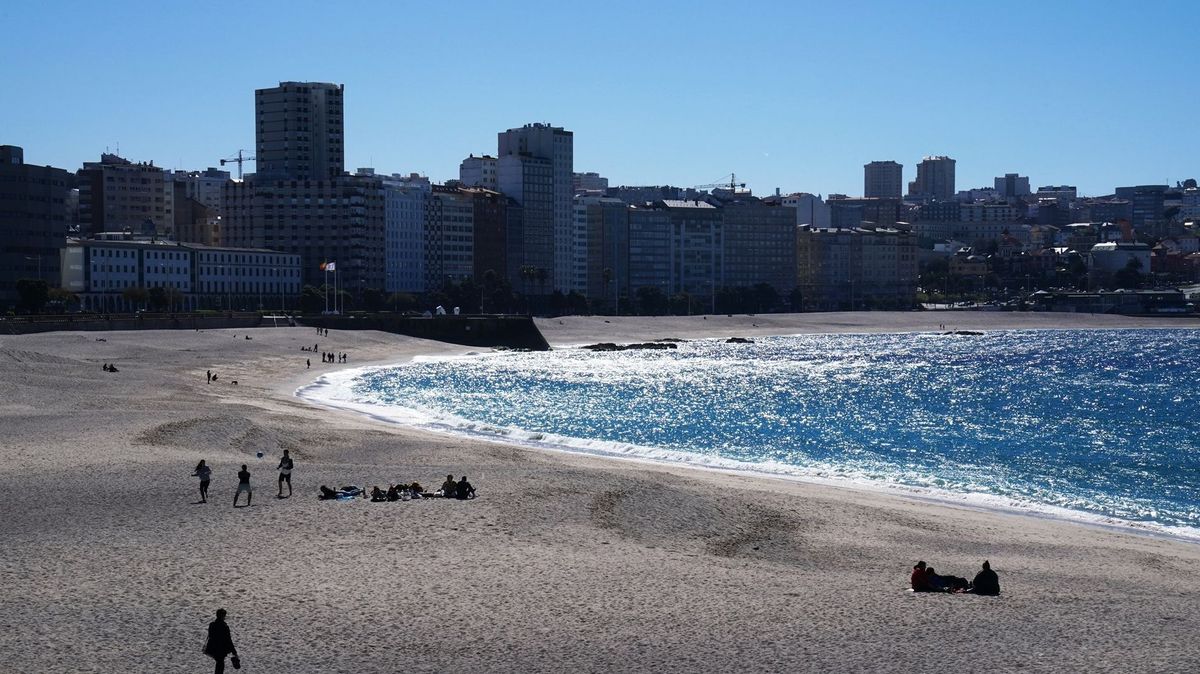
(1102, 426)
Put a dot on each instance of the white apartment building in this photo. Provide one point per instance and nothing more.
(478, 172)
(102, 272)
(404, 232)
(811, 210)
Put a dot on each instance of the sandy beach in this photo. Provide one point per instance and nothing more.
(565, 562)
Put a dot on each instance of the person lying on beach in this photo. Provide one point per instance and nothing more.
(464, 490)
(377, 494)
(986, 582)
(945, 583)
(340, 493)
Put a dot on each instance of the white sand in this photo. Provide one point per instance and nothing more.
(566, 563)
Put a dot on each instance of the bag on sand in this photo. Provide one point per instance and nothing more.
(237, 663)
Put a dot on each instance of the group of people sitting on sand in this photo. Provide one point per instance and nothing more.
(461, 490)
(111, 367)
(925, 579)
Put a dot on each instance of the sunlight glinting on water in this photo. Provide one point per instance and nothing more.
(1101, 422)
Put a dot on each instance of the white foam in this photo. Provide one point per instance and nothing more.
(334, 390)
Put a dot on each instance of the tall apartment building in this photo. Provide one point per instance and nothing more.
(530, 182)
(489, 232)
(935, 179)
(299, 131)
(606, 220)
(760, 245)
(337, 220)
(449, 236)
(116, 195)
(300, 200)
(555, 146)
(839, 269)
(33, 221)
(478, 172)
(1012, 186)
(404, 232)
(883, 179)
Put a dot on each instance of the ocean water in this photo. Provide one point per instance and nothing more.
(1098, 425)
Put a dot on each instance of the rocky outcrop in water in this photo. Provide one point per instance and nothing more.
(644, 346)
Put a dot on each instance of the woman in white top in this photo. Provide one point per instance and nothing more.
(204, 473)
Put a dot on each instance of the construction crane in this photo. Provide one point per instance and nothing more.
(238, 160)
(732, 185)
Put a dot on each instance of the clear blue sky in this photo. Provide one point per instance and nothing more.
(787, 94)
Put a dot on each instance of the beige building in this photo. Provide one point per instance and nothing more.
(840, 269)
(118, 195)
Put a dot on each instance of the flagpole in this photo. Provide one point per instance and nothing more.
(324, 267)
(336, 310)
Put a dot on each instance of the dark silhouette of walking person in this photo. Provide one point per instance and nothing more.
(205, 474)
(285, 473)
(243, 486)
(209, 374)
(308, 363)
(219, 644)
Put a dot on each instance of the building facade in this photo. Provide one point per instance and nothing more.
(883, 179)
(404, 232)
(299, 131)
(178, 276)
(33, 221)
(478, 172)
(117, 195)
(449, 236)
(1012, 186)
(848, 269)
(935, 179)
(555, 146)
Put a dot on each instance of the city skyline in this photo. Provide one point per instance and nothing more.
(420, 100)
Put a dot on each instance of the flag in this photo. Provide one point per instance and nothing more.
(328, 266)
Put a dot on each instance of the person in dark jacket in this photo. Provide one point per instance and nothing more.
(219, 644)
(919, 579)
(986, 582)
(464, 490)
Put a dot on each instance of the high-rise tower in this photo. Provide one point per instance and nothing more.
(883, 179)
(535, 165)
(299, 131)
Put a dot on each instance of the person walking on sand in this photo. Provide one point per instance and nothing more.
(209, 373)
(285, 473)
(243, 486)
(308, 363)
(204, 473)
(219, 644)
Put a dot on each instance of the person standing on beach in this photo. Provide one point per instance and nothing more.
(204, 473)
(219, 644)
(308, 363)
(209, 373)
(285, 473)
(243, 486)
